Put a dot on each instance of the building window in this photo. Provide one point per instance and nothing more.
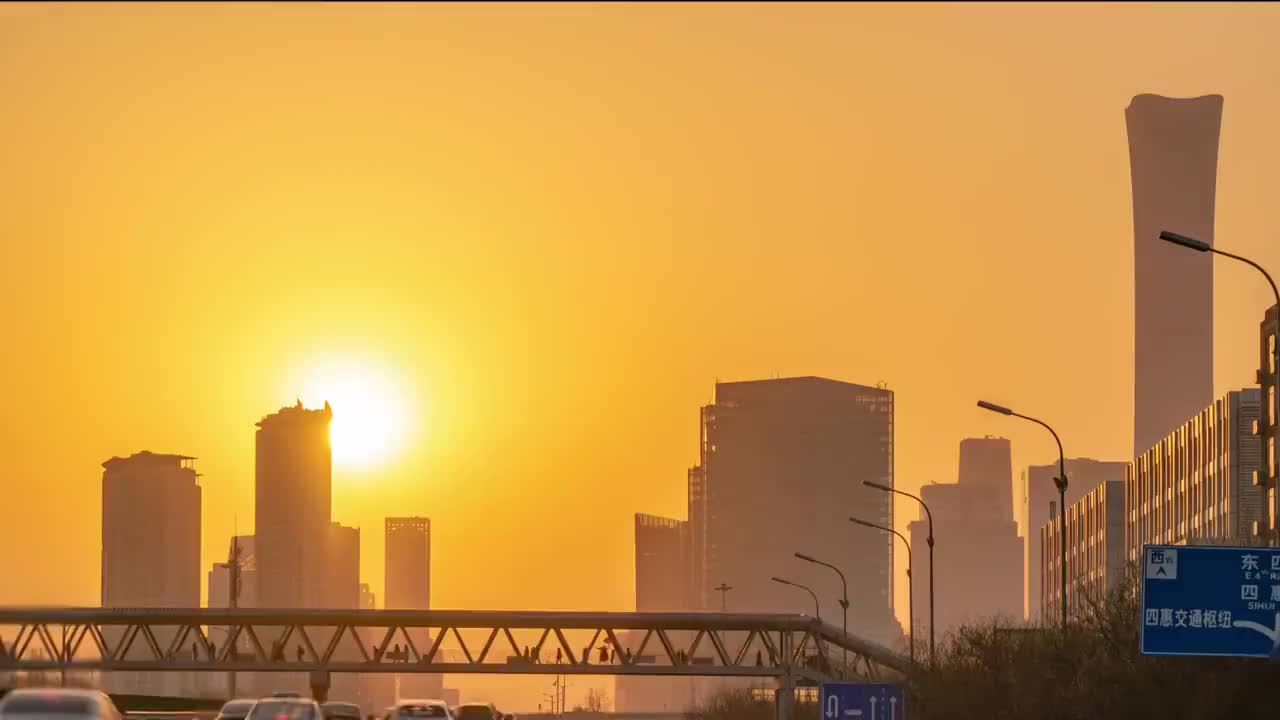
(1271, 404)
(1271, 353)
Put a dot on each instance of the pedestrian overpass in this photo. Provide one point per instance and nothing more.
(791, 649)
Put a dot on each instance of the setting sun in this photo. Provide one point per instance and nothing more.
(370, 415)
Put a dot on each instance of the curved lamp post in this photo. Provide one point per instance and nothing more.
(1060, 482)
(911, 602)
(1201, 246)
(817, 611)
(929, 542)
(844, 605)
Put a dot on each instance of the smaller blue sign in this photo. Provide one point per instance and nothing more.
(862, 701)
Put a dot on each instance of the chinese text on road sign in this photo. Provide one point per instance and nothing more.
(1211, 601)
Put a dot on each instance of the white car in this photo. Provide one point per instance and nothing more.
(421, 710)
(235, 709)
(57, 704)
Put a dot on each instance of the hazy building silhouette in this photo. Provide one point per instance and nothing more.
(978, 572)
(1095, 551)
(150, 531)
(150, 546)
(408, 587)
(1038, 494)
(662, 585)
(662, 563)
(343, 587)
(343, 591)
(292, 511)
(986, 463)
(1267, 425)
(1173, 162)
(783, 463)
(1195, 486)
(408, 563)
(697, 528)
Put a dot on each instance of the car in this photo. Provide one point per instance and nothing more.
(341, 711)
(478, 711)
(286, 694)
(278, 708)
(235, 709)
(419, 709)
(62, 703)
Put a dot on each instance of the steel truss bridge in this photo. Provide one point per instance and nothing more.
(792, 649)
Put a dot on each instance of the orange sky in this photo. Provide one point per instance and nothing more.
(555, 227)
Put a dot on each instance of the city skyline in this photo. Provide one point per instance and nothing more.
(515, 251)
(451, 456)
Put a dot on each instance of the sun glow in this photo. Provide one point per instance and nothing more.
(371, 415)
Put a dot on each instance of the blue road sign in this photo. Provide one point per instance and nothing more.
(862, 701)
(1210, 601)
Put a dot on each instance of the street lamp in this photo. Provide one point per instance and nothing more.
(844, 606)
(911, 602)
(1202, 246)
(817, 611)
(1060, 482)
(929, 542)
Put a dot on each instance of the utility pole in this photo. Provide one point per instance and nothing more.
(559, 695)
(723, 589)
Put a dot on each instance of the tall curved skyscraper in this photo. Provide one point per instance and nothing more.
(1173, 162)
